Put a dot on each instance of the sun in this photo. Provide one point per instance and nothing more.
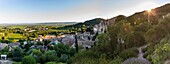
(149, 10)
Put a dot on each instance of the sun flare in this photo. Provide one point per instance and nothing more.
(149, 10)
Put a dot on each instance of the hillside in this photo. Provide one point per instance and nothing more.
(89, 23)
(144, 16)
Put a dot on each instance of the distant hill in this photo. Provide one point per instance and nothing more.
(89, 23)
(45, 23)
(57, 23)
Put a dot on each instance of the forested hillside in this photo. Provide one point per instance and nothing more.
(89, 23)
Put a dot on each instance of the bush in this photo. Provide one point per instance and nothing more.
(51, 56)
(42, 59)
(28, 60)
(116, 60)
(161, 54)
(17, 63)
(86, 56)
(64, 49)
(128, 53)
(64, 58)
(17, 59)
(51, 63)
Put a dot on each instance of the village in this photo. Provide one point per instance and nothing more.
(84, 40)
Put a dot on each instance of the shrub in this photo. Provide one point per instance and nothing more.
(161, 54)
(86, 56)
(64, 58)
(17, 63)
(116, 60)
(42, 59)
(128, 53)
(51, 63)
(51, 55)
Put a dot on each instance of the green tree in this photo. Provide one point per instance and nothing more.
(37, 54)
(6, 49)
(64, 49)
(51, 55)
(102, 38)
(129, 53)
(17, 54)
(42, 59)
(28, 60)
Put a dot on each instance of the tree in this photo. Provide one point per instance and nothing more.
(155, 34)
(28, 60)
(51, 56)
(6, 49)
(117, 33)
(134, 39)
(27, 47)
(64, 49)
(64, 58)
(42, 59)
(102, 38)
(143, 27)
(17, 54)
(37, 54)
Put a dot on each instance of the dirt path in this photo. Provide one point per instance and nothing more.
(140, 55)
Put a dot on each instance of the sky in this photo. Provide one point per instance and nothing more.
(37, 11)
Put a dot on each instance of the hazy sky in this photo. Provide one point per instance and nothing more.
(28, 11)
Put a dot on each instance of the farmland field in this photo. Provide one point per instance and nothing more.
(14, 37)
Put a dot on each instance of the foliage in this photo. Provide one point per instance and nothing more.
(51, 63)
(42, 59)
(128, 53)
(28, 60)
(6, 49)
(51, 55)
(91, 60)
(84, 56)
(17, 63)
(102, 38)
(116, 60)
(162, 52)
(64, 58)
(158, 32)
(37, 54)
(134, 39)
(64, 49)
(17, 54)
